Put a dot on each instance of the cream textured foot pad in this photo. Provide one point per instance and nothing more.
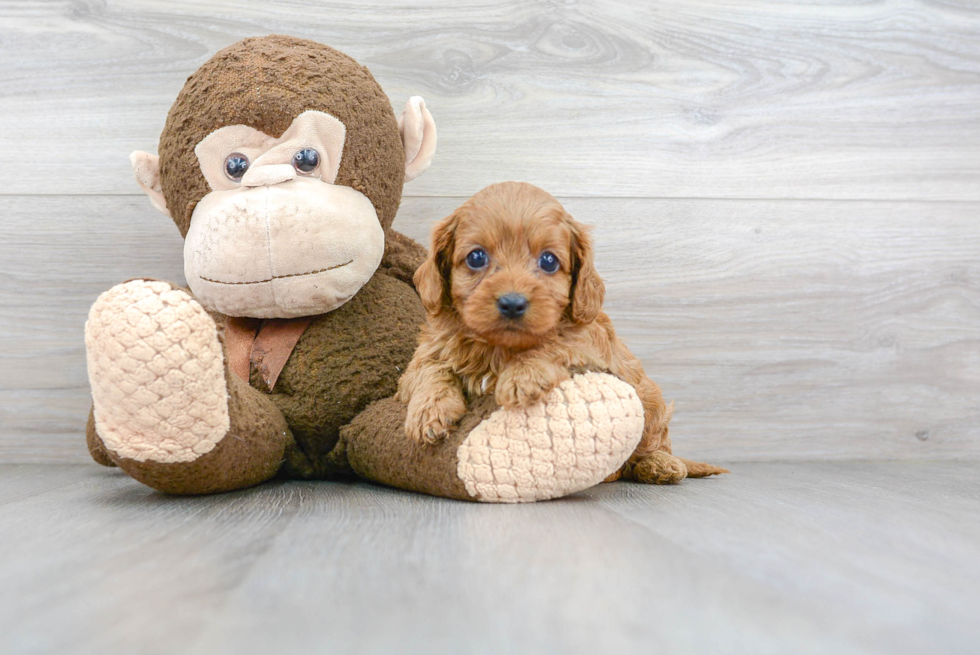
(157, 373)
(586, 430)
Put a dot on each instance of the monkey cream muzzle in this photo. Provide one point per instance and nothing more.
(283, 249)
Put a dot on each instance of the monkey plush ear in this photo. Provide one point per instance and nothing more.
(146, 167)
(418, 131)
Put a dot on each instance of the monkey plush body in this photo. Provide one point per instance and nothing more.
(282, 165)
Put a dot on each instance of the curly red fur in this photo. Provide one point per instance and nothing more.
(468, 348)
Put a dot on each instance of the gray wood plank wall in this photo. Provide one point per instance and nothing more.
(786, 195)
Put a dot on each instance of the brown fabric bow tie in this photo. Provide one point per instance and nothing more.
(264, 343)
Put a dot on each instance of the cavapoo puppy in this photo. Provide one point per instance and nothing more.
(514, 304)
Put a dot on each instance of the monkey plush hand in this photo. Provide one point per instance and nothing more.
(282, 165)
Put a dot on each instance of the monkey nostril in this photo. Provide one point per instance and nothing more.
(512, 305)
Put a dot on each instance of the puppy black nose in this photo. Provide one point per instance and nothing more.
(512, 305)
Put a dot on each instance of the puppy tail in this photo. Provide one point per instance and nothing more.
(701, 470)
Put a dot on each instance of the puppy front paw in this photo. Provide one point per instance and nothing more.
(429, 419)
(526, 385)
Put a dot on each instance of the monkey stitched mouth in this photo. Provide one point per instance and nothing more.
(280, 277)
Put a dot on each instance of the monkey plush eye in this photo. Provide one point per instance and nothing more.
(235, 166)
(306, 160)
(547, 262)
(477, 259)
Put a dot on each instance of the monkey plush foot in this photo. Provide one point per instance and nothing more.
(157, 373)
(583, 431)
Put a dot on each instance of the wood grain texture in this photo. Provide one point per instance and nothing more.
(61, 253)
(689, 98)
(781, 329)
(784, 327)
(774, 558)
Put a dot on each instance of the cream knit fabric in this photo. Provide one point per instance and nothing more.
(157, 373)
(585, 431)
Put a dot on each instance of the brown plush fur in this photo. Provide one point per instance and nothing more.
(265, 82)
(346, 359)
(372, 451)
(468, 348)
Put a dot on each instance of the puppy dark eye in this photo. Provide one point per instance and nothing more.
(306, 160)
(547, 262)
(477, 259)
(235, 166)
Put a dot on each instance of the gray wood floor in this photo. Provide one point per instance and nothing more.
(776, 558)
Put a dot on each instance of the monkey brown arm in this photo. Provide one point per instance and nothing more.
(402, 257)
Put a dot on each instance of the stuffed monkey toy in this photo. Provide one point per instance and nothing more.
(282, 165)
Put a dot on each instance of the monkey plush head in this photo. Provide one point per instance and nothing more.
(282, 164)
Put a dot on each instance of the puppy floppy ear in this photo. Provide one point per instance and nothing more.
(432, 277)
(588, 290)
